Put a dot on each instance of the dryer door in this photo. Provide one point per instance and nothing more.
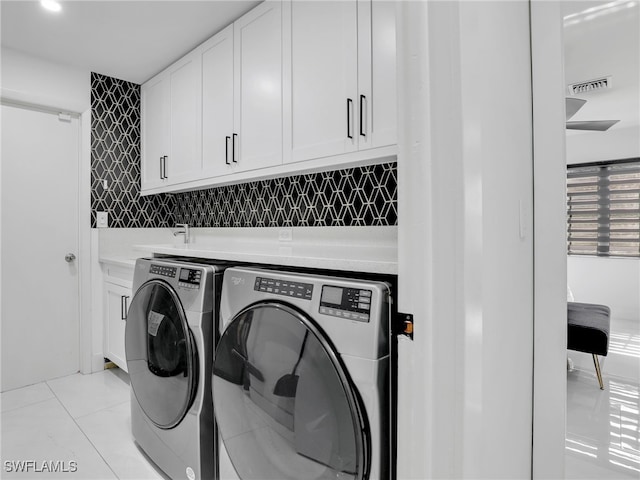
(160, 354)
(285, 405)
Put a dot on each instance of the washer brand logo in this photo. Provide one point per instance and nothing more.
(237, 281)
(191, 475)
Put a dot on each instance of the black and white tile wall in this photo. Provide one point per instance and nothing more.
(115, 157)
(360, 196)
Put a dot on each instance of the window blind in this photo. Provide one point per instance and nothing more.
(603, 208)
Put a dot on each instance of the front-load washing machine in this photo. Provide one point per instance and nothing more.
(169, 341)
(301, 378)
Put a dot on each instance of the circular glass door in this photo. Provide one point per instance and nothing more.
(160, 354)
(285, 406)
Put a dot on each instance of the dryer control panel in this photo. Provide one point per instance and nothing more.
(189, 278)
(163, 270)
(281, 287)
(347, 303)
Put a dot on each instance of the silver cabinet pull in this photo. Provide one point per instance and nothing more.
(123, 307)
(69, 257)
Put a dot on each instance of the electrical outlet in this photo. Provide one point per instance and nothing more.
(102, 219)
(285, 235)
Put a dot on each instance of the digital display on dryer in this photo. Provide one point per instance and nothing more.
(189, 278)
(332, 295)
(347, 303)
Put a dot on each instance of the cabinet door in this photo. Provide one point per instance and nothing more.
(117, 299)
(258, 93)
(324, 78)
(217, 103)
(184, 160)
(376, 74)
(154, 131)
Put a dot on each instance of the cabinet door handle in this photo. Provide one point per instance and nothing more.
(226, 150)
(165, 166)
(161, 169)
(349, 116)
(362, 102)
(123, 307)
(233, 149)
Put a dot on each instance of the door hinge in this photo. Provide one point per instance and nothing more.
(403, 324)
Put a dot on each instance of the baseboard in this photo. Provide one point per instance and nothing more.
(97, 363)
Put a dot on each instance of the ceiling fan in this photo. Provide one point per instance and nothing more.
(572, 107)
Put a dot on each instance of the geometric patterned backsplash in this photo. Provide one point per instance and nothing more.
(359, 196)
(115, 157)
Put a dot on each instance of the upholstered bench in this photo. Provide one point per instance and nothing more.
(588, 331)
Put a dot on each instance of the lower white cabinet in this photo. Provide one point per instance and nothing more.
(116, 300)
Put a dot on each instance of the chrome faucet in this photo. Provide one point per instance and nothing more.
(184, 231)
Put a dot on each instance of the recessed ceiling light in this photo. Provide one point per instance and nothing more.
(51, 5)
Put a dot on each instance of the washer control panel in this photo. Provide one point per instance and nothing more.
(282, 287)
(163, 270)
(189, 278)
(347, 303)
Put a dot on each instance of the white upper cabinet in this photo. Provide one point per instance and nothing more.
(185, 157)
(171, 123)
(291, 81)
(217, 104)
(154, 132)
(258, 96)
(342, 77)
(242, 94)
(377, 72)
(324, 78)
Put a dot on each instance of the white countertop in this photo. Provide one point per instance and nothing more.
(356, 249)
(360, 258)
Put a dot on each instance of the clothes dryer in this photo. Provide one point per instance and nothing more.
(301, 379)
(169, 341)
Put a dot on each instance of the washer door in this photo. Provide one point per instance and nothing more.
(284, 403)
(160, 354)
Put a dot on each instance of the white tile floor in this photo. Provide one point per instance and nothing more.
(86, 419)
(80, 418)
(603, 438)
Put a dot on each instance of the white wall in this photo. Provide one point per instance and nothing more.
(609, 281)
(31, 80)
(550, 377)
(598, 146)
(465, 177)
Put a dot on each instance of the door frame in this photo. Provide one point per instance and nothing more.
(84, 230)
(550, 250)
(421, 141)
